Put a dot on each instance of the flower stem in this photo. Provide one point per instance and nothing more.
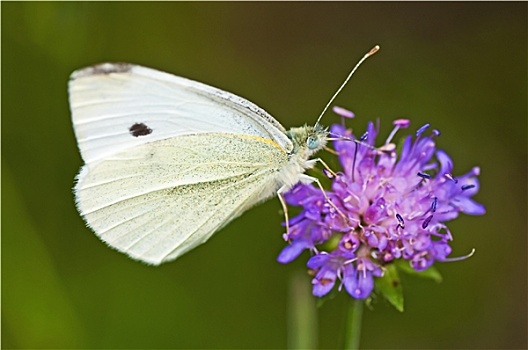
(353, 324)
(302, 314)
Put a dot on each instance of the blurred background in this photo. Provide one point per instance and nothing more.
(460, 66)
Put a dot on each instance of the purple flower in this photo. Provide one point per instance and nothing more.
(388, 204)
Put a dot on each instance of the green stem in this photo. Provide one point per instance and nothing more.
(302, 314)
(353, 324)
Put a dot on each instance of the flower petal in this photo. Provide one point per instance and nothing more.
(358, 284)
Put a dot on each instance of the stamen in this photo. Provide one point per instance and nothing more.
(426, 222)
(450, 177)
(424, 175)
(401, 123)
(467, 187)
(387, 148)
(398, 124)
(400, 220)
(345, 113)
(436, 132)
(433, 205)
(461, 257)
(328, 173)
(422, 129)
(350, 261)
(364, 136)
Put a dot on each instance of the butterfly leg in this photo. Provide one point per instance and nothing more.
(327, 168)
(280, 194)
(309, 179)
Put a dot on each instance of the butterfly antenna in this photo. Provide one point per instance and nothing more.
(367, 55)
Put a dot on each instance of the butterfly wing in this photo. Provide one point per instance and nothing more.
(116, 106)
(169, 161)
(157, 201)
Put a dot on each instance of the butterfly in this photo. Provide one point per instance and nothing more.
(169, 161)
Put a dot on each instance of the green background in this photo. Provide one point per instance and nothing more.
(460, 66)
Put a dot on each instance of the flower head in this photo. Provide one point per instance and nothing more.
(387, 204)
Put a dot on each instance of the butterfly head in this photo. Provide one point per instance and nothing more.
(307, 140)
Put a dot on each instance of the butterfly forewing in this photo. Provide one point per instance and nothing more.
(118, 106)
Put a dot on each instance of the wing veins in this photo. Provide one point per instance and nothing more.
(186, 237)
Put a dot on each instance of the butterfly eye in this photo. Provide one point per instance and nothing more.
(312, 142)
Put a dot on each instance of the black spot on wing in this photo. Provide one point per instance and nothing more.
(139, 129)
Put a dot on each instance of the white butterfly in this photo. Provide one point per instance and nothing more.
(170, 161)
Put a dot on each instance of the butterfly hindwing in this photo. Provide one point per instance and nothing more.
(158, 200)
